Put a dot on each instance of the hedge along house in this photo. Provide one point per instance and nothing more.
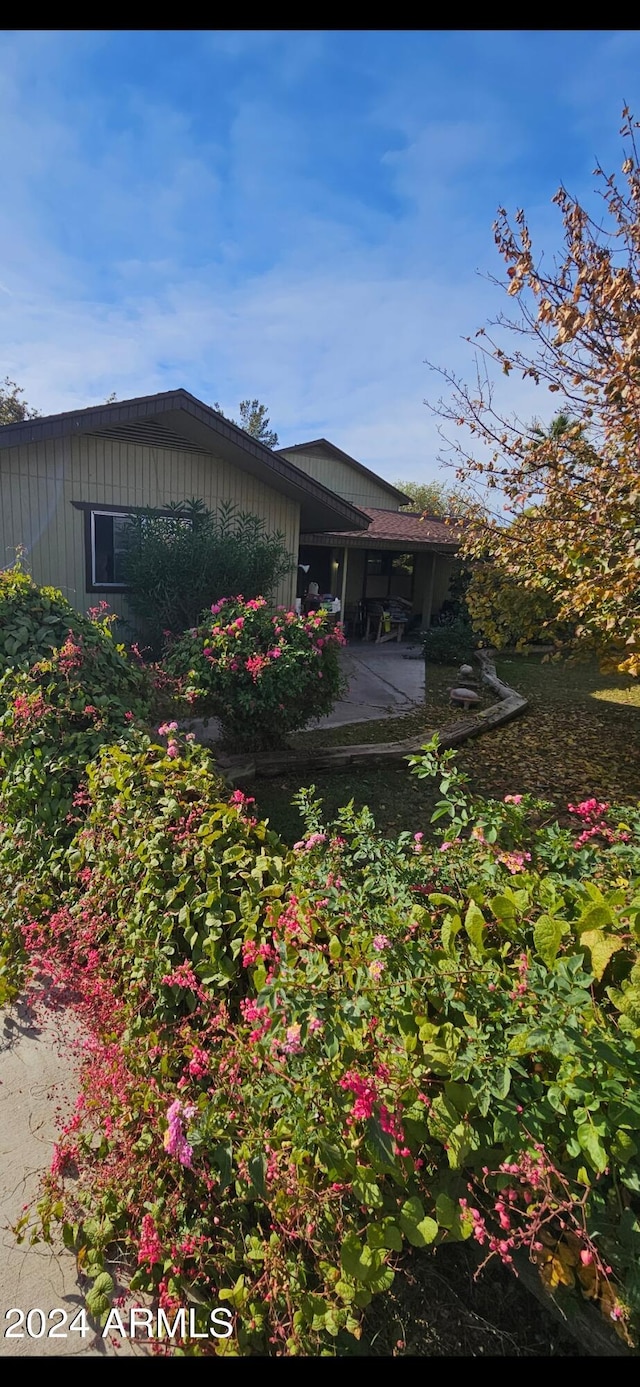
(69, 481)
(400, 554)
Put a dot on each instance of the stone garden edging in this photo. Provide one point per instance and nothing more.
(510, 705)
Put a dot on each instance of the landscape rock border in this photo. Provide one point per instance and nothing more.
(510, 705)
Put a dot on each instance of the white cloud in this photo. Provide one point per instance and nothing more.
(155, 258)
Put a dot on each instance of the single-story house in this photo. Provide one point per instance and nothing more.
(400, 554)
(68, 482)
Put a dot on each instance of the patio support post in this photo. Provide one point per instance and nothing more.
(343, 591)
(427, 604)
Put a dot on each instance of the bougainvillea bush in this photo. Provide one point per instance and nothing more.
(303, 1063)
(58, 707)
(262, 673)
(66, 687)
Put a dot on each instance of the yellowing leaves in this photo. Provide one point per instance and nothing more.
(475, 926)
(579, 336)
(557, 1265)
(547, 937)
(601, 948)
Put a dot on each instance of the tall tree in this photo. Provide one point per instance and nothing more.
(433, 498)
(571, 494)
(13, 410)
(254, 419)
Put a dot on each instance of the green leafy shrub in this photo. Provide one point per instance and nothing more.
(263, 674)
(53, 719)
(66, 688)
(359, 1046)
(178, 564)
(35, 621)
(450, 644)
(173, 870)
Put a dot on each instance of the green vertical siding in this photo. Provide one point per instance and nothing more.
(39, 482)
(346, 481)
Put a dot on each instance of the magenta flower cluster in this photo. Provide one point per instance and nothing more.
(175, 1141)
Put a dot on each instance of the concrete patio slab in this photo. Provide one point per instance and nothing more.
(382, 684)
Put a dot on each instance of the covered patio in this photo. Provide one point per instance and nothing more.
(401, 564)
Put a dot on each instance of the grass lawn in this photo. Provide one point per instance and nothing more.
(580, 737)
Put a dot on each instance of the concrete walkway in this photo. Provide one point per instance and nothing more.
(382, 684)
(38, 1083)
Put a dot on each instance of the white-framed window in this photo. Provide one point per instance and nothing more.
(107, 547)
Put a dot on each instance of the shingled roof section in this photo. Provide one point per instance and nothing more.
(396, 528)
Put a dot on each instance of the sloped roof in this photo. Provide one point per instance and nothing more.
(323, 445)
(176, 419)
(398, 530)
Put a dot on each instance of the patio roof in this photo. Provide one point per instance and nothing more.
(398, 530)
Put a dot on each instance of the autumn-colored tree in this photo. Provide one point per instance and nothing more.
(13, 410)
(570, 494)
(505, 612)
(433, 498)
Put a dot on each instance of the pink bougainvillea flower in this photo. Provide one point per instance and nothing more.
(514, 861)
(255, 664)
(183, 976)
(365, 1093)
(199, 1063)
(238, 798)
(292, 1045)
(175, 1142)
(149, 1247)
(314, 839)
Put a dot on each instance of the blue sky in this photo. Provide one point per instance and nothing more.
(299, 216)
